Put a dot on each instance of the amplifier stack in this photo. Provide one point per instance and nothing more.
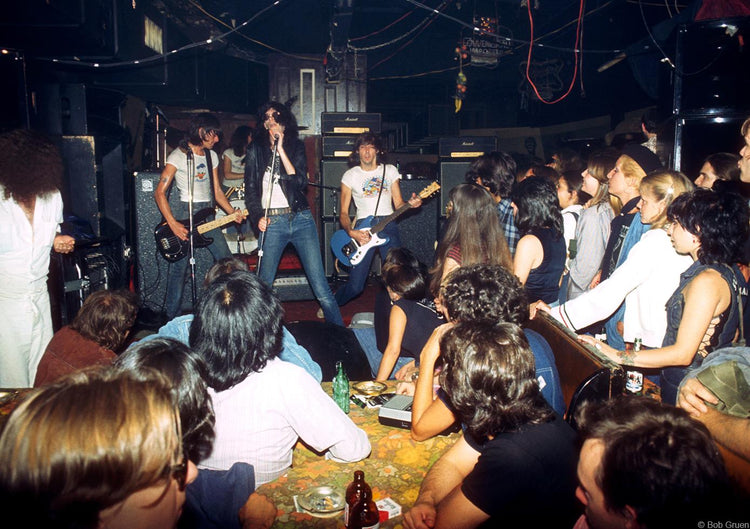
(456, 155)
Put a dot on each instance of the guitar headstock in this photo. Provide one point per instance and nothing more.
(431, 189)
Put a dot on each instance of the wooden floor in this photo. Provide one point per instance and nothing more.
(307, 310)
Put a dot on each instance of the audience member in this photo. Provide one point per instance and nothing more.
(593, 227)
(263, 405)
(543, 171)
(744, 163)
(179, 327)
(216, 499)
(404, 318)
(644, 464)
(374, 186)
(571, 198)
(717, 395)
(718, 166)
(478, 293)
(624, 181)
(540, 257)
(473, 234)
(94, 337)
(566, 159)
(515, 463)
(647, 278)
(703, 312)
(31, 207)
(496, 172)
(97, 448)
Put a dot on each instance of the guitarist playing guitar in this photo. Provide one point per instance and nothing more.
(202, 134)
(376, 192)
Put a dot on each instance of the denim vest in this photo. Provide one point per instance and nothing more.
(725, 329)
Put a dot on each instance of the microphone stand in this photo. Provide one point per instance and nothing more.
(191, 227)
(274, 181)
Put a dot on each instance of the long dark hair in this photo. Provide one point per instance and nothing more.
(206, 121)
(538, 207)
(473, 226)
(238, 141)
(30, 165)
(284, 117)
(237, 328)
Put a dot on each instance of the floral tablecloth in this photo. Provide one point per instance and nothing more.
(394, 469)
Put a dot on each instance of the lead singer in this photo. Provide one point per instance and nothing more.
(277, 205)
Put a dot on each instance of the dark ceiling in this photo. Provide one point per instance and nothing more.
(409, 48)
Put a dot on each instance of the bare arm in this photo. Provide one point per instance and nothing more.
(398, 200)
(448, 266)
(446, 474)
(396, 329)
(259, 512)
(228, 174)
(457, 512)
(529, 254)
(160, 196)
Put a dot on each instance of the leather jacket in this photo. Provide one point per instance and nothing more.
(294, 186)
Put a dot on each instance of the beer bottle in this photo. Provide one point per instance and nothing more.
(341, 388)
(634, 377)
(354, 493)
(365, 513)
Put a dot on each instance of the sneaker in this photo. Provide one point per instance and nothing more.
(319, 314)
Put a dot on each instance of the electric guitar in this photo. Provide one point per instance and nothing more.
(172, 248)
(350, 253)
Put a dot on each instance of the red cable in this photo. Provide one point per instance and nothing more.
(575, 55)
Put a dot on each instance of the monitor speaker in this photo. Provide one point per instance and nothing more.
(451, 174)
(419, 227)
(331, 172)
(152, 268)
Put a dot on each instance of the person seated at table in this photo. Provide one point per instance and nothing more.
(263, 405)
(703, 313)
(404, 318)
(216, 498)
(179, 327)
(478, 293)
(98, 448)
(647, 465)
(94, 337)
(723, 402)
(515, 463)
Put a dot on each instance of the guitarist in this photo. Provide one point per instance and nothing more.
(202, 134)
(375, 190)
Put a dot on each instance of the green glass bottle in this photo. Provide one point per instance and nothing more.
(341, 388)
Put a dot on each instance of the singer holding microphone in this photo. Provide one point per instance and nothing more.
(275, 185)
(194, 157)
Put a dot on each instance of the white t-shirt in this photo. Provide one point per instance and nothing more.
(238, 166)
(365, 186)
(202, 187)
(278, 198)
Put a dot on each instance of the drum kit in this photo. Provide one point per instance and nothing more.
(240, 234)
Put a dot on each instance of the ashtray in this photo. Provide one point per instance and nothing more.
(322, 499)
(370, 387)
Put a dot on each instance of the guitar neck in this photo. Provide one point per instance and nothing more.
(390, 218)
(217, 223)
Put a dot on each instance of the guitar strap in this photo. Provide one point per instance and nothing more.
(209, 166)
(382, 184)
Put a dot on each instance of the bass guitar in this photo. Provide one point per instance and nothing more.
(350, 253)
(172, 248)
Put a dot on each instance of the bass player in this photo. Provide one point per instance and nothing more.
(202, 134)
(375, 190)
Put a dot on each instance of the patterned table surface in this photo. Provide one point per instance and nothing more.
(394, 469)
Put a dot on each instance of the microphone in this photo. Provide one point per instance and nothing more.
(189, 153)
(275, 136)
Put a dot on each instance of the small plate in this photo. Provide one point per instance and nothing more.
(322, 499)
(370, 387)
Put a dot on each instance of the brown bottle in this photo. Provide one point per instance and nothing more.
(365, 515)
(354, 493)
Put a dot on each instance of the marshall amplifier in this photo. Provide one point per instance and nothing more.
(466, 146)
(338, 146)
(349, 122)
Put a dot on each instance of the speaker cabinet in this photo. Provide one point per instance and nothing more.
(451, 174)
(698, 136)
(152, 268)
(329, 260)
(331, 172)
(419, 227)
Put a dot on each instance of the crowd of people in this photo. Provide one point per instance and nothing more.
(648, 264)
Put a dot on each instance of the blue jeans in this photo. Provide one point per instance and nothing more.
(366, 338)
(299, 229)
(358, 275)
(177, 271)
(614, 338)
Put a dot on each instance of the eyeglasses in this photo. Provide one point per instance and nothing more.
(272, 115)
(179, 472)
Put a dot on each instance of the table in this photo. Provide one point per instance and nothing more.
(395, 469)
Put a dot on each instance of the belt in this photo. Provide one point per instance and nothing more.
(278, 211)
